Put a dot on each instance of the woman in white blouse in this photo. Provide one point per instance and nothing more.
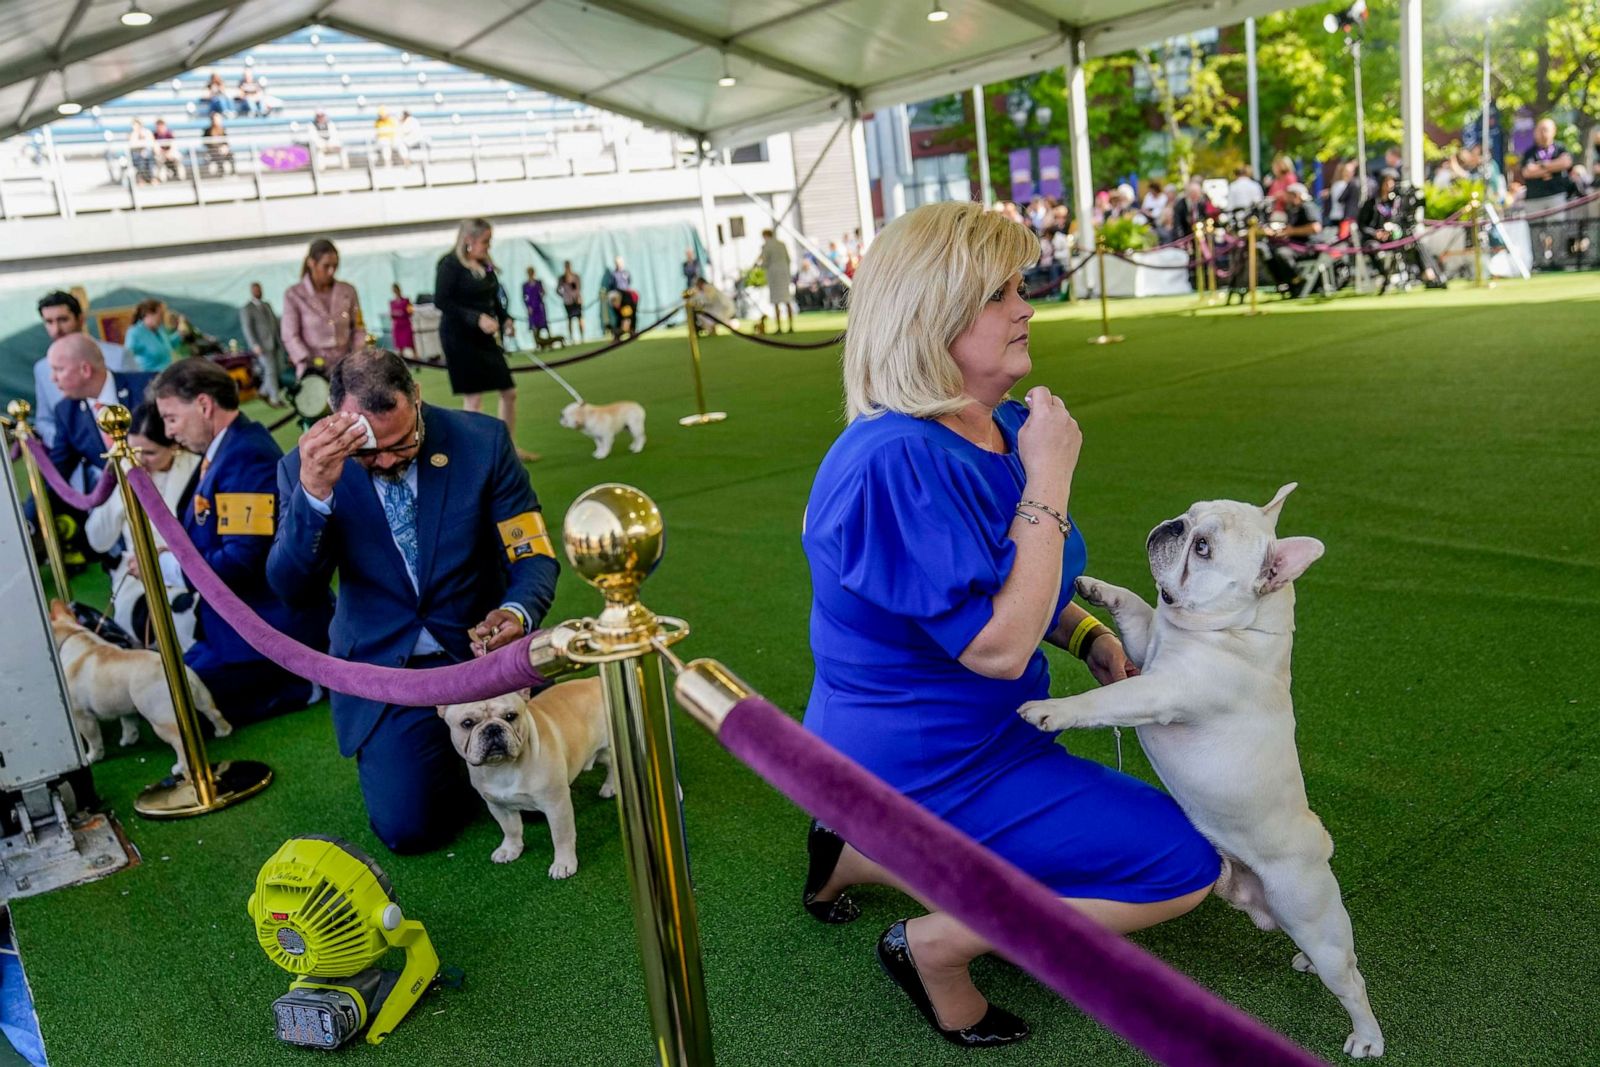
(172, 469)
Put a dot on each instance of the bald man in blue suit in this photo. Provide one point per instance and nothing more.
(441, 552)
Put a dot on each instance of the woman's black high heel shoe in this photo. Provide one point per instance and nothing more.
(823, 848)
(997, 1027)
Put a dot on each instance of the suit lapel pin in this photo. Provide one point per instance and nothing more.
(439, 459)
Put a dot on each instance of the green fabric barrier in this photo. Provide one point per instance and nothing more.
(211, 298)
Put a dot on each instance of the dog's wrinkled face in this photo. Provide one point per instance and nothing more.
(488, 731)
(572, 416)
(1221, 556)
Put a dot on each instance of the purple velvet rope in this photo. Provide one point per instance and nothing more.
(15, 452)
(505, 670)
(1165, 1014)
(71, 497)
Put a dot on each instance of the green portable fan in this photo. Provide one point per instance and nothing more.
(326, 913)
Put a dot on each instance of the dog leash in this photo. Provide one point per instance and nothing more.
(551, 371)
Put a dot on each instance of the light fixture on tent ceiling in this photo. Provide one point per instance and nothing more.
(67, 105)
(136, 15)
(938, 14)
(727, 81)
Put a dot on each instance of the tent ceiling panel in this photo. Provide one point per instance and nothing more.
(658, 61)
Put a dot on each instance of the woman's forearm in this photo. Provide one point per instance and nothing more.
(1024, 608)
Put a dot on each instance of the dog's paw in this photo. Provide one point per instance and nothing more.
(222, 727)
(564, 868)
(637, 446)
(1303, 964)
(1363, 1046)
(1045, 714)
(608, 790)
(1096, 592)
(506, 853)
(128, 739)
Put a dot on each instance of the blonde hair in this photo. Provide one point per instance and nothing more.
(920, 286)
(471, 230)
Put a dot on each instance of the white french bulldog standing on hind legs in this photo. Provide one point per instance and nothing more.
(1212, 707)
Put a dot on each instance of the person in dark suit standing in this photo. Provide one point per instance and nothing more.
(262, 330)
(1191, 210)
(472, 303)
(441, 553)
(230, 516)
(78, 370)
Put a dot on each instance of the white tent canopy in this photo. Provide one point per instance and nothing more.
(796, 62)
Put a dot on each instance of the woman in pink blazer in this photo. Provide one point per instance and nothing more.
(321, 316)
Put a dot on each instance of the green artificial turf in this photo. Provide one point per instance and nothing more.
(1445, 686)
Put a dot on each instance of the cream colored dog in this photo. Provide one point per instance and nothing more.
(523, 755)
(105, 682)
(603, 422)
(1214, 715)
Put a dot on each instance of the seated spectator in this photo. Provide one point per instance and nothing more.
(219, 156)
(325, 140)
(251, 96)
(216, 95)
(412, 136)
(231, 518)
(1155, 204)
(142, 152)
(170, 468)
(386, 135)
(1459, 166)
(1283, 176)
(152, 342)
(167, 151)
(808, 285)
(1302, 224)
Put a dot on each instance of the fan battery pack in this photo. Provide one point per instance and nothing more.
(326, 1014)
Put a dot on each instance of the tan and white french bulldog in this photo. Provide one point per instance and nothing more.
(105, 682)
(1214, 714)
(523, 754)
(603, 422)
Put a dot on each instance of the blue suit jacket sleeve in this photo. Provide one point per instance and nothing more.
(240, 560)
(300, 565)
(531, 580)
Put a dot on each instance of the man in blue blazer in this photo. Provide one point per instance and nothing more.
(441, 553)
(231, 516)
(78, 369)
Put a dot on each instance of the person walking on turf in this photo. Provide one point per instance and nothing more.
(474, 319)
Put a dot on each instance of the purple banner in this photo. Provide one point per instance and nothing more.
(1022, 175)
(1050, 171)
(287, 157)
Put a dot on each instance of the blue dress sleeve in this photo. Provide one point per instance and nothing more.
(919, 542)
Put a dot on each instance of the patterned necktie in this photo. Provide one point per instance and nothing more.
(400, 508)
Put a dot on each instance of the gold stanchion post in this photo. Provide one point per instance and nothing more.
(614, 537)
(1250, 250)
(1475, 209)
(1211, 261)
(702, 416)
(19, 410)
(207, 787)
(1201, 289)
(1106, 337)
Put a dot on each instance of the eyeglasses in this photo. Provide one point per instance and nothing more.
(407, 446)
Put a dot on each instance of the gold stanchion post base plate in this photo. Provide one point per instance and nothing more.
(702, 418)
(174, 798)
(1106, 339)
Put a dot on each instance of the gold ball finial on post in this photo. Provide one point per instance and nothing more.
(115, 420)
(614, 537)
(19, 410)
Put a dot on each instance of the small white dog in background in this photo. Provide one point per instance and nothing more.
(1214, 715)
(603, 422)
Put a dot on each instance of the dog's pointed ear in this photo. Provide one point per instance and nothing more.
(1271, 508)
(1288, 560)
(441, 708)
(525, 694)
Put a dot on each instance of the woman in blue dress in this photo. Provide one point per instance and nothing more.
(942, 554)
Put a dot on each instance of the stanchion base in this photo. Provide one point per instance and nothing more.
(1253, 312)
(174, 798)
(702, 418)
(1106, 339)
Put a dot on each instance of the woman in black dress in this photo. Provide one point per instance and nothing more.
(474, 318)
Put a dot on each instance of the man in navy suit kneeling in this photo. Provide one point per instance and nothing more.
(442, 554)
